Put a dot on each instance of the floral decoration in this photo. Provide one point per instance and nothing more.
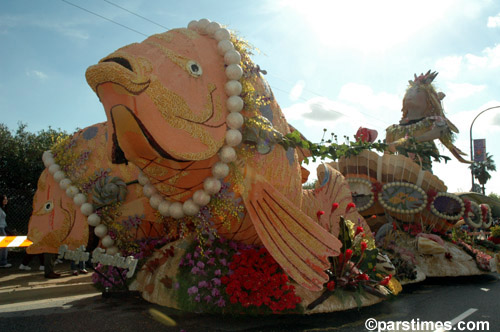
(355, 268)
(230, 277)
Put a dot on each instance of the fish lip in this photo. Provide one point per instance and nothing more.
(95, 80)
(145, 132)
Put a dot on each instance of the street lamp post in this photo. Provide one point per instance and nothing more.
(471, 151)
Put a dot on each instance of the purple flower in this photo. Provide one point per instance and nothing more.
(193, 290)
(233, 245)
(203, 284)
(191, 262)
(223, 261)
(221, 303)
(215, 292)
(188, 255)
(216, 281)
(208, 299)
(200, 264)
(197, 298)
(218, 251)
(176, 285)
(211, 261)
(217, 273)
(195, 270)
(196, 254)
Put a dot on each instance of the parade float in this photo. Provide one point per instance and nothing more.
(416, 219)
(193, 191)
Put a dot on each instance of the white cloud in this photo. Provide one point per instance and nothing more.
(319, 109)
(494, 21)
(38, 74)
(297, 90)
(365, 96)
(455, 91)
(449, 67)
(496, 120)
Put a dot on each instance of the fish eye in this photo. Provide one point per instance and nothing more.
(193, 68)
(48, 206)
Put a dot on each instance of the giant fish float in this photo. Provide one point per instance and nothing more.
(193, 115)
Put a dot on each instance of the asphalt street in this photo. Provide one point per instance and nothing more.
(446, 299)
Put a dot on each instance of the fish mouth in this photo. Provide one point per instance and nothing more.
(122, 114)
(130, 73)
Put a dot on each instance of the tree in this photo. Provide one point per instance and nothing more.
(495, 196)
(480, 170)
(20, 167)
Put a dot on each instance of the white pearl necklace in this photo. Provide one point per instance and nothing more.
(80, 200)
(220, 170)
(234, 121)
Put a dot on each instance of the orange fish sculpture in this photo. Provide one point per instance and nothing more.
(79, 176)
(191, 110)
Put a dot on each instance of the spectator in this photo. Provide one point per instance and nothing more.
(28, 258)
(49, 263)
(81, 266)
(3, 225)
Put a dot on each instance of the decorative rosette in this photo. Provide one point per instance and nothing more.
(486, 214)
(80, 200)
(402, 197)
(362, 194)
(234, 122)
(474, 217)
(447, 206)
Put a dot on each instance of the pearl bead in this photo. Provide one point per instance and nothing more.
(234, 72)
(233, 137)
(112, 251)
(193, 25)
(47, 154)
(227, 154)
(59, 175)
(72, 191)
(202, 25)
(222, 34)
(233, 88)
(93, 220)
(220, 170)
(164, 207)
(212, 27)
(155, 201)
(101, 230)
(65, 183)
(212, 185)
(49, 161)
(190, 208)
(148, 190)
(224, 45)
(54, 168)
(87, 209)
(107, 241)
(143, 179)
(176, 210)
(234, 104)
(232, 57)
(79, 199)
(235, 120)
(201, 198)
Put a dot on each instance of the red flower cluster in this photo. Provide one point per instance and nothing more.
(257, 280)
(431, 195)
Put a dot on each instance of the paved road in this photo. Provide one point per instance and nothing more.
(434, 300)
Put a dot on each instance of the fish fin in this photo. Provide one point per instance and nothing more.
(297, 243)
(456, 152)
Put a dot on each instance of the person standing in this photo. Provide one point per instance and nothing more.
(3, 225)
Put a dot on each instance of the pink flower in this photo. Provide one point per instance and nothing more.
(193, 290)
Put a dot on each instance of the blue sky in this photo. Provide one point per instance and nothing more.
(332, 64)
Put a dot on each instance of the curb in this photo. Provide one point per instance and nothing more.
(39, 293)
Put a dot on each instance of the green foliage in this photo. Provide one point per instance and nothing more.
(328, 148)
(21, 163)
(481, 169)
(494, 196)
(20, 167)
